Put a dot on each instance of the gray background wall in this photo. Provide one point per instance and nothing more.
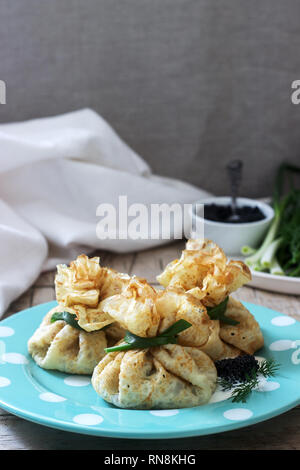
(189, 84)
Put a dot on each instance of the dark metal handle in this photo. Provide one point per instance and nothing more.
(234, 170)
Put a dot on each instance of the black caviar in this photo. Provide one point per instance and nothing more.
(237, 369)
(219, 213)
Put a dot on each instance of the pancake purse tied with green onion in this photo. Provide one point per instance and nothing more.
(155, 372)
(168, 336)
(160, 377)
(61, 346)
(148, 349)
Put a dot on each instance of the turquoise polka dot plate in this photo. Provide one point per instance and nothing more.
(69, 402)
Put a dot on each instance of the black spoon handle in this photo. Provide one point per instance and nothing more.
(234, 170)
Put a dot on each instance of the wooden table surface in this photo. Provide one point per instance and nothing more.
(282, 432)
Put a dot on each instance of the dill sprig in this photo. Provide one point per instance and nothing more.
(243, 389)
(268, 368)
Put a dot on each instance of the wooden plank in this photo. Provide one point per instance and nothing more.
(146, 265)
(150, 263)
(103, 255)
(246, 294)
(287, 304)
(121, 262)
(43, 294)
(45, 279)
(170, 253)
(22, 302)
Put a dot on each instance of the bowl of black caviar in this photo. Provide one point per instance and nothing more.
(232, 227)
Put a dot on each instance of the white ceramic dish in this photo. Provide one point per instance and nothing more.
(274, 283)
(282, 284)
(231, 237)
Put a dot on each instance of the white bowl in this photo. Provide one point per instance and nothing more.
(231, 237)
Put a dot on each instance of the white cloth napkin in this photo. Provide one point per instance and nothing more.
(54, 172)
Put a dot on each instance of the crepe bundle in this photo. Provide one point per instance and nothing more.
(83, 285)
(79, 290)
(246, 335)
(85, 289)
(216, 348)
(203, 271)
(169, 376)
(134, 308)
(61, 347)
(173, 304)
(204, 265)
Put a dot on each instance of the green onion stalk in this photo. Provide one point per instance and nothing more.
(280, 250)
(168, 336)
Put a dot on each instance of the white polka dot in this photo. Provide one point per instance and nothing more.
(14, 358)
(220, 395)
(51, 397)
(6, 331)
(283, 320)
(267, 386)
(4, 382)
(281, 345)
(164, 413)
(77, 380)
(238, 414)
(88, 419)
(296, 357)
